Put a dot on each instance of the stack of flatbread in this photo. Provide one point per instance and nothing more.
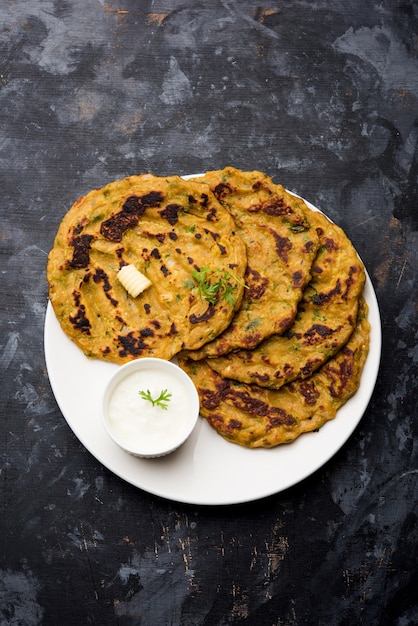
(258, 296)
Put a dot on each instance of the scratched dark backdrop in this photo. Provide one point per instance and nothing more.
(322, 96)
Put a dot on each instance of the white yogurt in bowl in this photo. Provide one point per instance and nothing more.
(150, 407)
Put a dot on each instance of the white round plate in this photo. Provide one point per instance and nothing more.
(206, 470)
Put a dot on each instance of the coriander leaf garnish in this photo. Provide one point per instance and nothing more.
(162, 400)
(214, 284)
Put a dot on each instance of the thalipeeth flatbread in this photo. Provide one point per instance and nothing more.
(325, 320)
(172, 231)
(281, 242)
(255, 417)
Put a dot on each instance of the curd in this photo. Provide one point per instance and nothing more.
(159, 424)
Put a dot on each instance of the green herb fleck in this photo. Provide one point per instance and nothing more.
(298, 228)
(215, 284)
(162, 400)
(254, 323)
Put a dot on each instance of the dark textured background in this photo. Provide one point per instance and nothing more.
(323, 97)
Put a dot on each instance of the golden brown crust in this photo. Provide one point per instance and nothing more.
(281, 243)
(252, 416)
(324, 322)
(167, 228)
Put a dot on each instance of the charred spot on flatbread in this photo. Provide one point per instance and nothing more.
(166, 227)
(253, 416)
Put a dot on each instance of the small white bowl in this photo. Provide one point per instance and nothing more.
(141, 425)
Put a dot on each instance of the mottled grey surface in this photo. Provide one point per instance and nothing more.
(322, 96)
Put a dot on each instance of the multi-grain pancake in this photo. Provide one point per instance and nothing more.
(255, 417)
(259, 296)
(178, 237)
(281, 246)
(325, 320)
